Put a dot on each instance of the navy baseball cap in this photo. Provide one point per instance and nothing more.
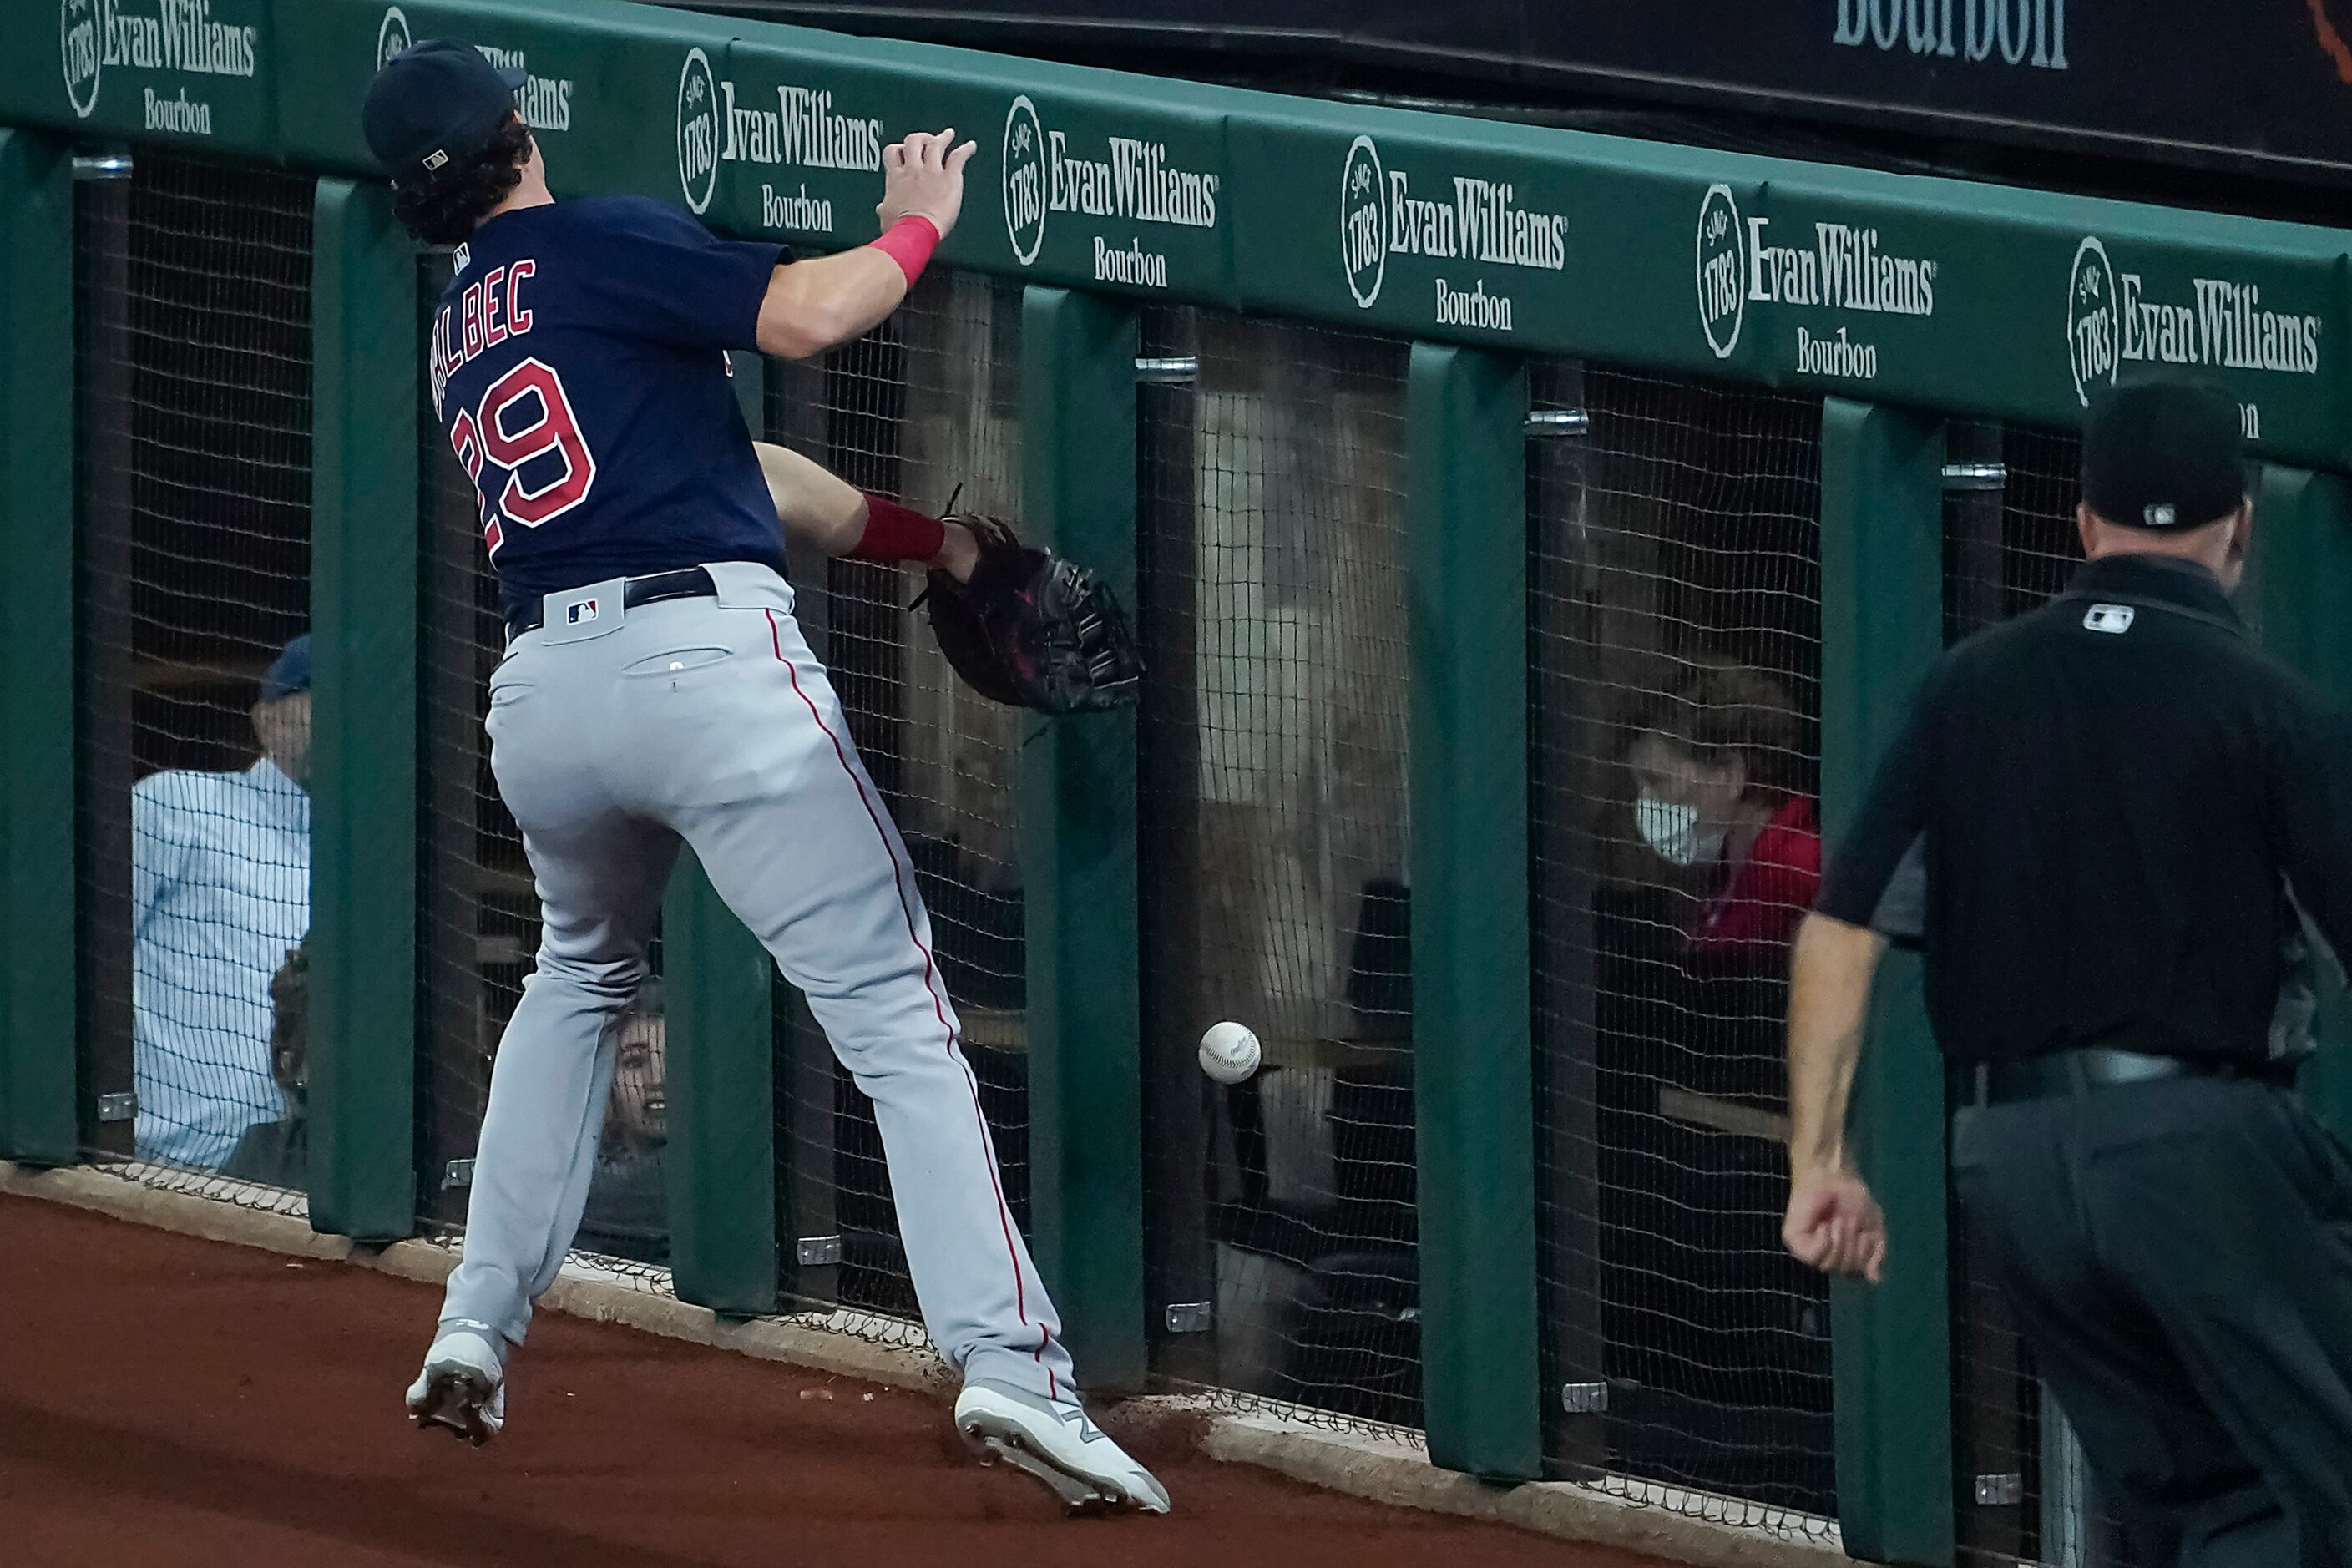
(433, 103)
(289, 672)
(2164, 450)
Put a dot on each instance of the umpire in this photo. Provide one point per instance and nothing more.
(2105, 822)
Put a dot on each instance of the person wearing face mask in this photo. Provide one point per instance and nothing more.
(220, 885)
(1720, 796)
(1720, 856)
(628, 1203)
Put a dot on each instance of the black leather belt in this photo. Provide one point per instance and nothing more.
(2081, 1071)
(690, 583)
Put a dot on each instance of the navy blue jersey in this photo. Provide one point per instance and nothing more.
(578, 365)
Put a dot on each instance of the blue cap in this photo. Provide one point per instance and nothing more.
(433, 104)
(289, 672)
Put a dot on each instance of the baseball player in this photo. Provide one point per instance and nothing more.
(656, 691)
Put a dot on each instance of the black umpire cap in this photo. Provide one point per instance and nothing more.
(433, 103)
(2164, 450)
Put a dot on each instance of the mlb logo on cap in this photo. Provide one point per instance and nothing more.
(586, 610)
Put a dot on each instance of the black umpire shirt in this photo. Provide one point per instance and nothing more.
(2117, 805)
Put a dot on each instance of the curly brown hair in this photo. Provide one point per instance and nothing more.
(443, 207)
(1718, 709)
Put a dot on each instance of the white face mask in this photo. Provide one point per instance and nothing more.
(1672, 829)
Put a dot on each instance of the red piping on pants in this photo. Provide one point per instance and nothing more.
(1004, 1215)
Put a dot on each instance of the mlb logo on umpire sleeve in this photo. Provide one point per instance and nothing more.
(2116, 619)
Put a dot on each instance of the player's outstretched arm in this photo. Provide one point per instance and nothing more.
(818, 507)
(812, 306)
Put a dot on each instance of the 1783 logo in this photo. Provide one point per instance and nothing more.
(1364, 221)
(391, 37)
(1722, 268)
(79, 44)
(1024, 179)
(2094, 327)
(698, 130)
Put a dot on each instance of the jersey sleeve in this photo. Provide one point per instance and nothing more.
(651, 272)
(1864, 862)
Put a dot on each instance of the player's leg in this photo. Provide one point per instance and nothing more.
(600, 874)
(809, 859)
(795, 839)
(600, 887)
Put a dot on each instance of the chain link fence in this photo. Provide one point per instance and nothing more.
(1676, 624)
(193, 314)
(1280, 1212)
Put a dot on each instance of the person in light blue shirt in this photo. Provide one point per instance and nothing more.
(220, 895)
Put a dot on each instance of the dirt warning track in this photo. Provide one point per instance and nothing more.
(169, 1403)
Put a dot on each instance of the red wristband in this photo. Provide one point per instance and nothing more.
(909, 242)
(894, 532)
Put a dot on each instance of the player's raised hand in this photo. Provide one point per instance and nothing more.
(923, 177)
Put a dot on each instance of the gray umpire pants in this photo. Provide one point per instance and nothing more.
(2180, 1254)
(614, 735)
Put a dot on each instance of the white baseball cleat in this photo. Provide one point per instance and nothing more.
(1054, 1441)
(463, 1385)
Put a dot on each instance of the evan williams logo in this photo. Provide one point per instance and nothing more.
(1483, 222)
(2222, 325)
(179, 36)
(698, 130)
(801, 131)
(1845, 268)
(544, 102)
(1133, 181)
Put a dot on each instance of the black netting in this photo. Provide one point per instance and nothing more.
(1281, 1213)
(2009, 539)
(924, 410)
(1674, 623)
(2023, 1491)
(192, 309)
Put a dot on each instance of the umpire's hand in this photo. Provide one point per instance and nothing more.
(1835, 1225)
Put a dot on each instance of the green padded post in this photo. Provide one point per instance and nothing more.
(37, 1026)
(1474, 1087)
(1882, 628)
(721, 1164)
(722, 1125)
(2299, 587)
(363, 612)
(1078, 857)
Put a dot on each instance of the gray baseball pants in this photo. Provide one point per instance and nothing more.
(617, 734)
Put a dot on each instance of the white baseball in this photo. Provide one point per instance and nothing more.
(1229, 1052)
